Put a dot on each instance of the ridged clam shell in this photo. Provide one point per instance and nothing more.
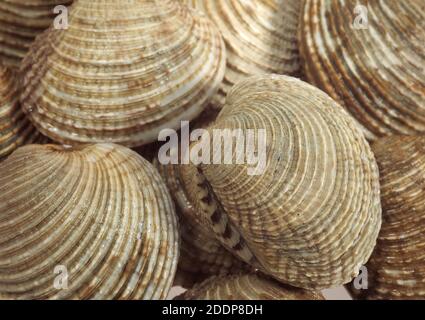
(247, 287)
(122, 71)
(15, 128)
(377, 72)
(312, 218)
(396, 269)
(101, 211)
(201, 254)
(260, 37)
(20, 22)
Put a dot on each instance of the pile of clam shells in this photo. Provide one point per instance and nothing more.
(88, 210)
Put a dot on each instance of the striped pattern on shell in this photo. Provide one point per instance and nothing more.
(396, 269)
(20, 22)
(100, 211)
(15, 128)
(247, 287)
(260, 37)
(312, 218)
(201, 254)
(377, 72)
(122, 72)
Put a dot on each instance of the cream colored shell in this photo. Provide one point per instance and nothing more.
(122, 72)
(312, 218)
(370, 56)
(20, 22)
(249, 286)
(15, 128)
(260, 36)
(99, 215)
(396, 269)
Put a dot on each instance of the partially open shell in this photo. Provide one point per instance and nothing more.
(260, 37)
(247, 287)
(312, 217)
(15, 128)
(201, 254)
(100, 213)
(20, 22)
(370, 56)
(122, 71)
(396, 269)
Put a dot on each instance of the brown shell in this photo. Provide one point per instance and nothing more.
(247, 287)
(99, 212)
(396, 269)
(311, 219)
(15, 128)
(260, 37)
(20, 22)
(373, 67)
(122, 72)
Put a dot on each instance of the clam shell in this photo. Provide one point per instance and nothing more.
(102, 212)
(260, 37)
(15, 128)
(122, 72)
(201, 254)
(247, 287)
(396, 269)
(373, 67)
(311, 219)
(20, 22)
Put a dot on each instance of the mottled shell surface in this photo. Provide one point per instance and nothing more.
(15, 128)
(369, 56)
(201, 254)
(99, 214)
(312, 217)
(396, 269)
(122, 71)
(260, 37)
(247, 287)
(20, 22)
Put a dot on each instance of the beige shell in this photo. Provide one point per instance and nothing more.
(15, 128)
(201, 254)
(20, 22)
(247, 287)
(311, 219)
(396, 269)
(98, 214)
(369, 56)
(260, 37)
(122, 72)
